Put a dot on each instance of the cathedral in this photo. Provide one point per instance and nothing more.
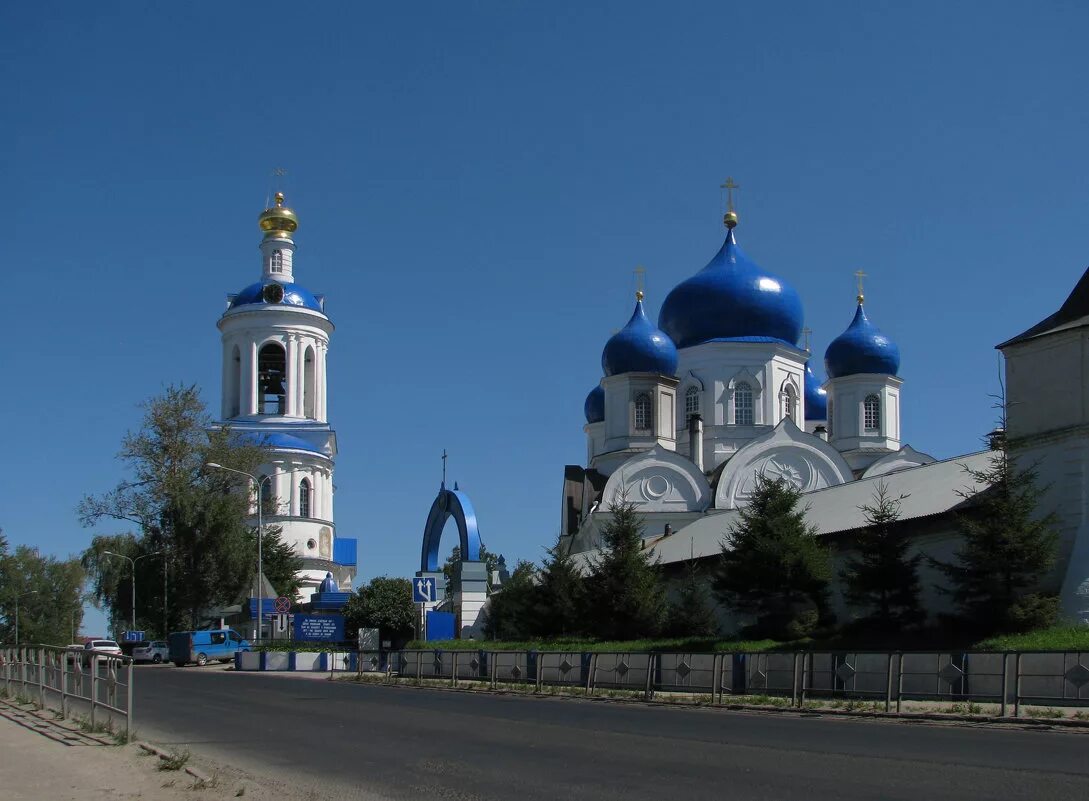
(690, 411)
(275, 336)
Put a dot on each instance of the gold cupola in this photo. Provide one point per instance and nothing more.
(278, 222)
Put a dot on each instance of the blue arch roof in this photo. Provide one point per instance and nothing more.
(294, 295)
(731, 298)
(639, 347)
(279, 440)
(862, 348)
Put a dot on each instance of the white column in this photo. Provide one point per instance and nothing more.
(319, 382)
(293, 380)
(300, 394)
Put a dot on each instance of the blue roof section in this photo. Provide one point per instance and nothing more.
(816, 399)
(275, 439)
(294, 295)
(595, 405)
(862, 348)
(344, 551)
(639, 347)
(731, 298)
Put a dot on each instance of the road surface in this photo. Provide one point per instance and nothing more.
(350, 740)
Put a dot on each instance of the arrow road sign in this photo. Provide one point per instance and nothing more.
(423, 590)
(281, 622)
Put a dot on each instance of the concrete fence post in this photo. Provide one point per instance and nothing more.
(591, 675)
(1017, 687)
(41, 676)
(899, 680)
(493, 663)
(128, 704)
(888, 684)
(794, 689)
(64, 684)
(648, 690)
(94, 687)
(454, 670)
(1005, 683)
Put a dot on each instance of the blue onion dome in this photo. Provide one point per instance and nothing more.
(277, 293)
(816, 399)
(732, 298)
(595, 405)
(862, 348)
(328, 584)
(639, 347)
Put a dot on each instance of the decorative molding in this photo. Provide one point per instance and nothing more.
(658, 480)
(902, 459)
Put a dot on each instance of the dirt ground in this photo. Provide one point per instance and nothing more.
(44, 760)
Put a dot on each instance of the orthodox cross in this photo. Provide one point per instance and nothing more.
(859, 275)
(805, 333)
(444, 467)
(730, 186)
(640, 280)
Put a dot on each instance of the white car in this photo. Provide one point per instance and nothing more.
(108, 647)
(156, 652)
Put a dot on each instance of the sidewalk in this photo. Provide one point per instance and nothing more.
(56, 762)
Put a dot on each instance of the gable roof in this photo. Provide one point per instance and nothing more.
(1072, 314)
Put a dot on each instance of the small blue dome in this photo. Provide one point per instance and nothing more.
(595, 405)
(731, 298)
(278, 440)
(328, 584)
(294, 295)
(862, 348)
(816, 399)
(639, 347)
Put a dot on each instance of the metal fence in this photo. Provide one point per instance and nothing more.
(47, 675)
(887, 679)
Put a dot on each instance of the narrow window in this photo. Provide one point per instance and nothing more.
(277, 265)
(271, 372)
(642, 412)
(304, 498)
(871, 413)
(691, 402)
(743, 415)
(267, 494)
(790, 404)
(234, 385)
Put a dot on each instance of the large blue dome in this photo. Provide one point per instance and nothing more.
(732, 298)
(862, 348)
(595, 405)
(294, 295)
(816, 399)
(639, 347)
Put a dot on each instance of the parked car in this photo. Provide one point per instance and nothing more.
(205, 646)
(103, 647)
(155, 651)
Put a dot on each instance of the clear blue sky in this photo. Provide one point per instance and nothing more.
(476, 182)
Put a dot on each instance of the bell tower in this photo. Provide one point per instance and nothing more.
(275, 336)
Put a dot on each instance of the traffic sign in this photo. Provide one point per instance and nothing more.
(281, 622)
(423, 589)
(132, 636)
(283, 605)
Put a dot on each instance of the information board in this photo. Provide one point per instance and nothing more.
(319, 628)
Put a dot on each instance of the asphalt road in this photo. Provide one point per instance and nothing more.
(350, 740)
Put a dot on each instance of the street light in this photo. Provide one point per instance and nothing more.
(133, 563)
(17, 597)
(257, 482)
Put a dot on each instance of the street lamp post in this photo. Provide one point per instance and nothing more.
(257, 482)
(133, 563)
(17, 597)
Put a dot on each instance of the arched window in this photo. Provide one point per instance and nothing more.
(271, 373)
(871, 413)
(234, 383)
(790, 403)
(267, 494)
(277, 263)
(308, 384)
(691, 402)
(642, 412)
(304, 498)
(743, 413)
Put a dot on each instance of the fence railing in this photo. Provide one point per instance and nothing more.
(1008, 680)
(46, 674)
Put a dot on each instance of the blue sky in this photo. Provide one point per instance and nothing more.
(476, 183)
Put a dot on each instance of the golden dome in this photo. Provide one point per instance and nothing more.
(278, 220)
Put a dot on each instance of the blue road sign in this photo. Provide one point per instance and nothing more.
(132, 636)
(423, 590)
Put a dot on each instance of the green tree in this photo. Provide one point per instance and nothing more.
(561, 595)
(512, 609)
(773, 566)
(880, 578)
(48, 592)
(691, 612)
(1007, 549)
(385, 604)
(279, 562)
(194, 517)
(624, 581)
(452, 569)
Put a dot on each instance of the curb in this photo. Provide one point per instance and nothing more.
(165, 755)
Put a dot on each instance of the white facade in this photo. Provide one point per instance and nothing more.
(275, 337)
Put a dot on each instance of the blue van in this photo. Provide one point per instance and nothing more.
(204, 646)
